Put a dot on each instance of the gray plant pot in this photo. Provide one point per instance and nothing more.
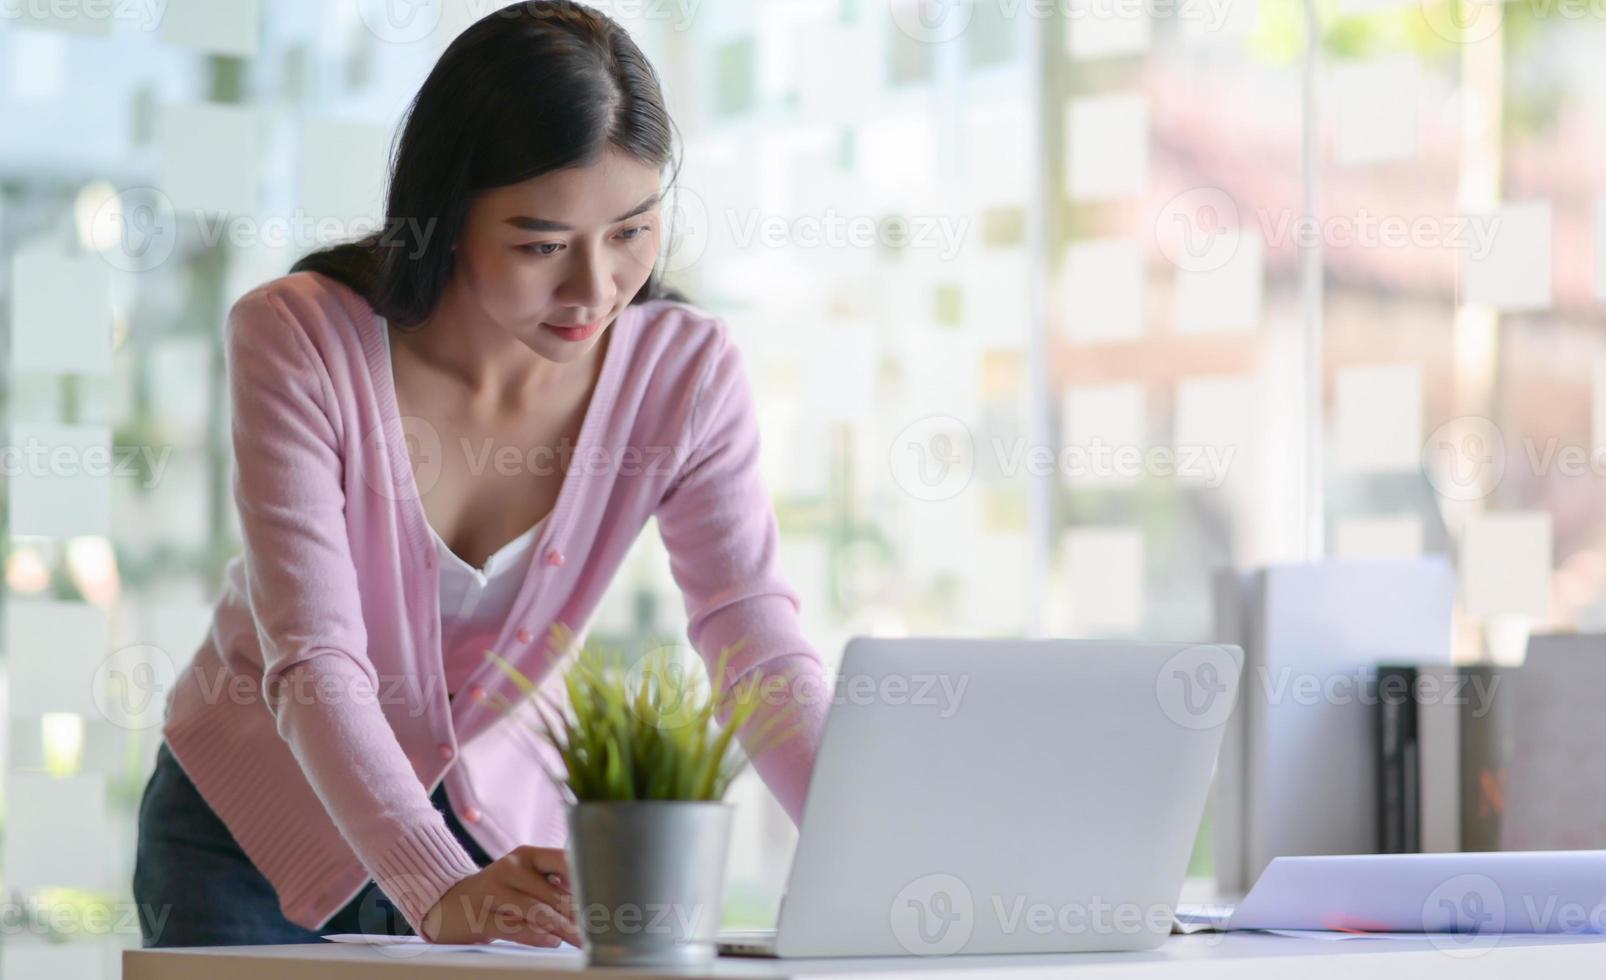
(650, 880)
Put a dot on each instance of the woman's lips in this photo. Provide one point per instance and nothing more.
(584, 331)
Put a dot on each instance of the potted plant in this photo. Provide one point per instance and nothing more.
(647, 764)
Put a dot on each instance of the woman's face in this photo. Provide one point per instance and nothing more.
(554, 259)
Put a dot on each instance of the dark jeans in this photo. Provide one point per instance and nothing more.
(194, 886)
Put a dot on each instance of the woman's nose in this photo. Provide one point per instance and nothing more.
(586, 284)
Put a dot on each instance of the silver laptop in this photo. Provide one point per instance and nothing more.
(1002, 796)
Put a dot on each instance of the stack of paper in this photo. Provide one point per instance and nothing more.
(413, 945)
(1479, 894)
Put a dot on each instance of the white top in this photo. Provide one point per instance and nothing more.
(475, 602)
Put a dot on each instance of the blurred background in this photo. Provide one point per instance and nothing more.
(1053, 308)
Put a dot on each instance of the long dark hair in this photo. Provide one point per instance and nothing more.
(527, 89)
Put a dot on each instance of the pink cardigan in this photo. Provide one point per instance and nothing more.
(314, 717)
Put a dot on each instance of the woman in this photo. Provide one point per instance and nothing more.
(446, 437)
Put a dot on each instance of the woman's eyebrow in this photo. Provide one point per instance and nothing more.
(528, 223)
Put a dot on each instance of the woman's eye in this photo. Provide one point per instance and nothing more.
(541, 248)
(631, 234)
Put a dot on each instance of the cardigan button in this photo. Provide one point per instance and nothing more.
(446, 751)
(476, 692)
(524, 635)
(472, 815)
(554, 557)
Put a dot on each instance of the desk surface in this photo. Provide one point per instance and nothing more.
(1200, 957)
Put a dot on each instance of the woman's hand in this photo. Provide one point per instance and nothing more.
(523, 896)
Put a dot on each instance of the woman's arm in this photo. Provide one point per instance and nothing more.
(718, 525)
(302, 586)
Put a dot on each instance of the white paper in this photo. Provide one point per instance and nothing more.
(1103, 291)
(791, 452)
(1377, 109)
(894, 154)
(939, 536)
(941, 375)
(1103, 580)
(181, 405)
(780, 72)
(61, 483)
(1506, 564)
(61, 314)
(342, 175)
(1216, 429)
(1107, 147)
(1379, 418)
(1102, 422)
(853, 83)
(53, 650)
(995, 593)
(210, 156)
(1514, 272)
(997, 299)
(231, 27)
(993, 150)
(1224, 298)
(1378, 537)
(1489, 893)
(44, 813)
(1105, 28)
(840, 363)
(414, 943)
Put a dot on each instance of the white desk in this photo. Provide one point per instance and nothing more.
(1205, 957)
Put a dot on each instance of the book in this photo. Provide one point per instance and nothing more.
(1444, 694)
(1486, 748)
(1398, 792)
(1553, 794)
(1298, 772)
(1419, 710)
